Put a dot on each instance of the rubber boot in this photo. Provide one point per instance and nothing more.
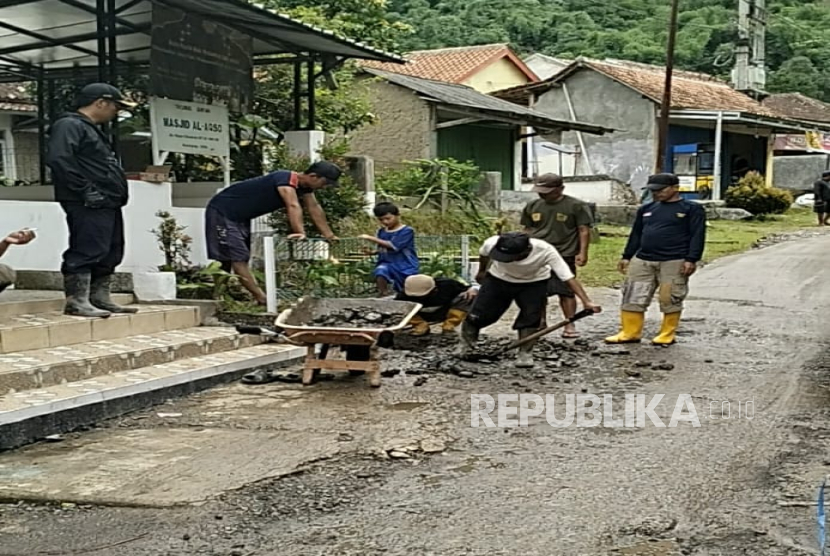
(469, 338)
(420, 327)
(632, 328)
(77, 287)
(667, 330)
(454, 318)
(99, 296)
(524, 359)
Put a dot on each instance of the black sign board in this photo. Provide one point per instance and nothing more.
(198, 60)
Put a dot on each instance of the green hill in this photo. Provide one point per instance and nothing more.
(798, 32)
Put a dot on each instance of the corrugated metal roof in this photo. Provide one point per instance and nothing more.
(453, 65)
(463, 97)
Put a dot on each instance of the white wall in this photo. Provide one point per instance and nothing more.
(601, 192)
(142, 254)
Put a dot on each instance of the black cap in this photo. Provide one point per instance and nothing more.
(548, 183)
(510, 247)
(662, 181)
(92, 92)
(327, 170)
(825, 174)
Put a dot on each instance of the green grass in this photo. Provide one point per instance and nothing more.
(722, 238)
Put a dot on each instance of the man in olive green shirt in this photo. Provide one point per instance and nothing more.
(565, 222)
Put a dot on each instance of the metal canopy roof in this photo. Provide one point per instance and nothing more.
(61, 34)
(463, 99)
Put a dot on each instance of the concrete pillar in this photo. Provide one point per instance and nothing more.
(305, 143)
(362, 171)
(770, 162)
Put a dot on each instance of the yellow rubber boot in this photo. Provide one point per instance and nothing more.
(453, 320)
(667, 330)
(632, 328)
(420, 327)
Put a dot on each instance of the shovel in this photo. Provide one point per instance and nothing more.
(545, 331)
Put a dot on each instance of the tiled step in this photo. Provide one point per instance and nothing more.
(56, 365)
(28, 302)
(31, 331)
(33, 414)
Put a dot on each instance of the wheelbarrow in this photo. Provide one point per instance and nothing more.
(360, 344)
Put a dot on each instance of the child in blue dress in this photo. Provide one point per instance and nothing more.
(397, 258)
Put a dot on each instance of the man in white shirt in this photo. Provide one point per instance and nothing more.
(515, 267)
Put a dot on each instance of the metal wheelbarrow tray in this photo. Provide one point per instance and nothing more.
(360, 344)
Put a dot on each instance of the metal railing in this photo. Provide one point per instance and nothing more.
(295, 268)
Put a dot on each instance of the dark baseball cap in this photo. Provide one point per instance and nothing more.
(328, 170)
(92, 92)
(662, 181)
(510, 247)
(825, 174)
(547, 183)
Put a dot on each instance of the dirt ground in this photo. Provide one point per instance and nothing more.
(342, 469)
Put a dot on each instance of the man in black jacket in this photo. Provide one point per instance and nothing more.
(91, 187)
(821, 198)
(663, 250)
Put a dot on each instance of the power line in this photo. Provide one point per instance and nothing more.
(665, 108)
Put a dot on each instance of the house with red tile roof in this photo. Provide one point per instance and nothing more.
(485, 68)
(716, 133)
(418, 118)
(18, 147)
(799, 157)
(427, 130)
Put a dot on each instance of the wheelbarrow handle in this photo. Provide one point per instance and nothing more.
(266, 332)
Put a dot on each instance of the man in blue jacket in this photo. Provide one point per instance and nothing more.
(91, 187)
(663, 250)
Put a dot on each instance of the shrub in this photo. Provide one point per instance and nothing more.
(430, 180)
(752, 194)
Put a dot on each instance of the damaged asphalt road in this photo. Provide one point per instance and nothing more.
(342, 469)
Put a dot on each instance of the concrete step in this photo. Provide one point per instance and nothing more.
(29, 302)
(46, 367)
(34, 414)
(34, 331)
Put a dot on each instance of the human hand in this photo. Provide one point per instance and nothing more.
(581, 260)
(480, 277)
(93, 198)
(622, 266)
(592, 307)
(21, 237)
(332, 238)
(297, 236)
(688, 269)
(471, 294)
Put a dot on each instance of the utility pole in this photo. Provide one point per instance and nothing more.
(665, 107)
(749, 73)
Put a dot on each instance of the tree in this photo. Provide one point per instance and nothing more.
(337, 110)
(630, 29)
